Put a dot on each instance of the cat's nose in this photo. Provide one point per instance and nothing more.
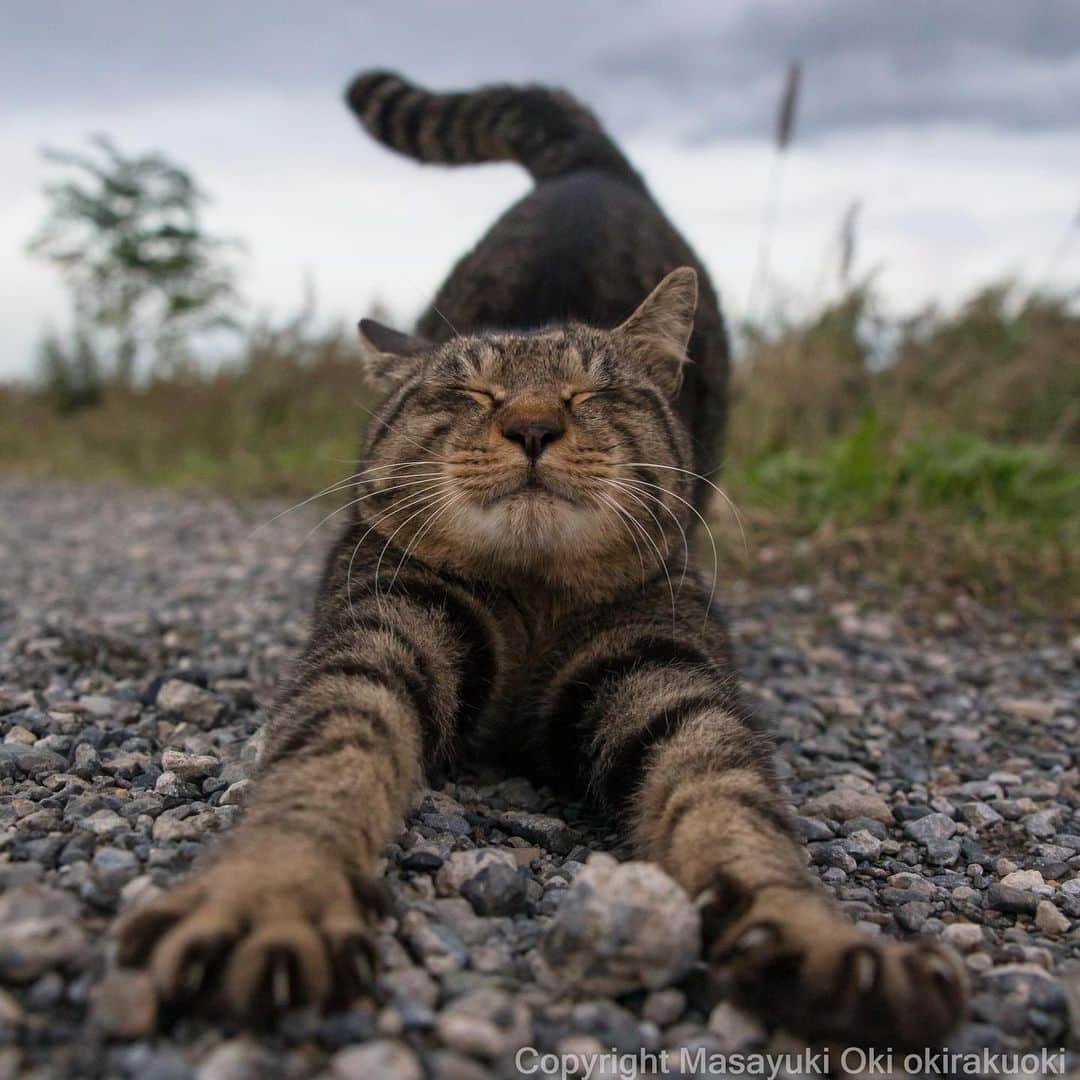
(534, 434)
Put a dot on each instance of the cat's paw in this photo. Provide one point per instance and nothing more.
(795, 963)
(272, 925)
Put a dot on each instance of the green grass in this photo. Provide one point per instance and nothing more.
(859, 477)
(997, 520)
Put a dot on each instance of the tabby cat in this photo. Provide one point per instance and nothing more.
(511, 584)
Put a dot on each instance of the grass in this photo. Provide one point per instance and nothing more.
(998, 521)
(954, 466)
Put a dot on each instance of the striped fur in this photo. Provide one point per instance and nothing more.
(515, 582)
(546, 131)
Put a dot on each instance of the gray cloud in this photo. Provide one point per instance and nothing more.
(704, 69)
(995, 63)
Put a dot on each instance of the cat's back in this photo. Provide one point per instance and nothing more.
(582, 247)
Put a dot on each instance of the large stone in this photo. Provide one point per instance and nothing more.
(621, 927)
(39, 930)
(844, 803)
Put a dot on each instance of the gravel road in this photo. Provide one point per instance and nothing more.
(934, 758)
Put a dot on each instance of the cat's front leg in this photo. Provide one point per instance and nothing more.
(708, 810)
(649, 716)
(283, 911)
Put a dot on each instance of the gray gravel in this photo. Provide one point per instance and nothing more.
(933, 756)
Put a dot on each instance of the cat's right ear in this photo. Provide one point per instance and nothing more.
(388, 355)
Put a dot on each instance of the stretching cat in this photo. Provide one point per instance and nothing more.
(502, 589)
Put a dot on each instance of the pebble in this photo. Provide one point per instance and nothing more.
(236, 794)
(863, 845)
(189, 766)
(103, 823)
(1049, 920)
(39, 930)
(384, 1059)
(843, 803)
(1039, 712)
(113, 868)
(498, 890)
(236, 1059)
(172, 787)
(463, 866)
(170, 828)
(735, 1030)
(124, 1004)
(550, 833)
(962, 936)
(621, 927)
(1043, 823)
(34, 761)
(484, 1024)
(127, 739)
(664, 1007)
(1011, 900)
(1024, 879)
(186, 701)
(979, 816)
(933, 828)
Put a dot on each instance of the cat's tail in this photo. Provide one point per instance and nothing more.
(545, 130)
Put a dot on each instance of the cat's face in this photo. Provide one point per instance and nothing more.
(554, 455)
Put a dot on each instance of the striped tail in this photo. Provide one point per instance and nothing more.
(545, 130)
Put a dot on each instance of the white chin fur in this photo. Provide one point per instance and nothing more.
(523, 532)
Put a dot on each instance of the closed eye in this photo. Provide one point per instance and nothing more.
(579, 398)
(482, 397)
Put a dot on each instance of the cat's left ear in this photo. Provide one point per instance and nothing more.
(388, 355)
(657, 334)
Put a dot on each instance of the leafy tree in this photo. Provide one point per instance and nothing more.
(145, 277)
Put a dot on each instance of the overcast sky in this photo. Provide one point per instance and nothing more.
(956, 124)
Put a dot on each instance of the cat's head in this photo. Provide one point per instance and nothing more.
(554, 455)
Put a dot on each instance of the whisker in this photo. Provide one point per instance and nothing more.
(708, 529)
(446, 320)
(390, 538)
(336, 486)
(427, 478)
(671, 513)
(400, 504)
(619, 518)
(663, 562)
(412, 544)
(719, 491)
